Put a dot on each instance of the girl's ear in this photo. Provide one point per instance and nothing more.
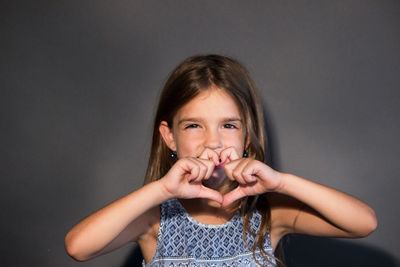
(247, 142)
(167, 135)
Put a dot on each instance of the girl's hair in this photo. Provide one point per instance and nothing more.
(193, 76)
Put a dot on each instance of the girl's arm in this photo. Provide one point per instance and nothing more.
(311, 208)
(301, 206)
(132, 216)
(120, 222)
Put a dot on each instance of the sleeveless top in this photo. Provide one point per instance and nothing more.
(183, 241)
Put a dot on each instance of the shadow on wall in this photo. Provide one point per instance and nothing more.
(134, 259)
(303, 250)
(308, 251)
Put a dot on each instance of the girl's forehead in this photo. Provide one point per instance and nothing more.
(212, 103)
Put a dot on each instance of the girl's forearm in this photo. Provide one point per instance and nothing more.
(345, 211)
(95, 232)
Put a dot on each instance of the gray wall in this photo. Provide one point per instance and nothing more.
(79, 82)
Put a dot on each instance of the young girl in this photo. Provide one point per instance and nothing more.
(209, 198)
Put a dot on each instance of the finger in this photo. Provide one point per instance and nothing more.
(228, 154)
(232, 196)
(249, 173)
(203, 169)
(192, 169)
(210, 194)
(210, 168)
(249, 178)
(237, 174)
(228, 169)
(210, 154)
(235, 169)
(207, 167)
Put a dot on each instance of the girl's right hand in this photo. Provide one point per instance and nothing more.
(184, 179)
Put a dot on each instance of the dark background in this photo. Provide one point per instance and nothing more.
(79, 83)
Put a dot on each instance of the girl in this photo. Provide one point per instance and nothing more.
(209, 198)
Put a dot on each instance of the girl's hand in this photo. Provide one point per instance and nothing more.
(211, 155)
(217, 179)
(254, 177)
(227, 155)
(184, 179)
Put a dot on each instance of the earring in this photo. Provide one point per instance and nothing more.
(245, 155)
(173, 154)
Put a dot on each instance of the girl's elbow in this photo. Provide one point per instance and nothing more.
(73, 249)
(369, 226)
(372, 225)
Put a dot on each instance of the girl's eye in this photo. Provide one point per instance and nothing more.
(229, 126)
(192, 126)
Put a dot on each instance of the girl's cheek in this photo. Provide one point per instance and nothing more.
(236, 141)
(189, 148)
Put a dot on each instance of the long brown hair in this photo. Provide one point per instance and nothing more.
(193, 76)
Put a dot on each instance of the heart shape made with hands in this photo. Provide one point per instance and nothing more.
(253, 177)
(222, 182)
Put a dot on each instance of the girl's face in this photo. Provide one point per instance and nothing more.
(210, 120)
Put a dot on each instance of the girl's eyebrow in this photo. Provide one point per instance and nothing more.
(229, 119)
(188, 120)
(233, 119)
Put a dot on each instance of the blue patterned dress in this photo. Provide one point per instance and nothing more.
(182, 241)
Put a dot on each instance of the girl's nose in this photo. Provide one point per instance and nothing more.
(213, 139)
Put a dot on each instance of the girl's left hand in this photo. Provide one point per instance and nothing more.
(254, 177)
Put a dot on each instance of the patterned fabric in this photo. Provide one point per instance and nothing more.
(182, 241)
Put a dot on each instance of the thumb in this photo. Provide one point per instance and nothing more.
(210, 194)
(232, 196)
